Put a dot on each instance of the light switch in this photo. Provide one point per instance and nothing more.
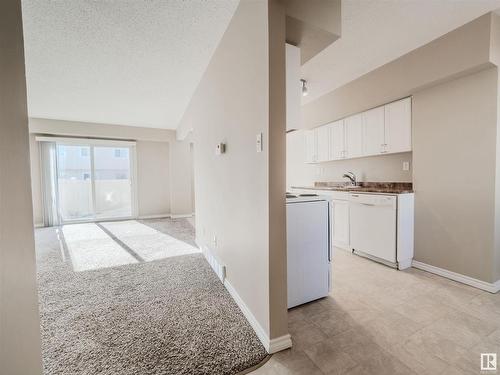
(258, 142)
(220, 148)
(406, 166)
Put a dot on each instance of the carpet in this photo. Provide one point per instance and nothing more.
(164, 316)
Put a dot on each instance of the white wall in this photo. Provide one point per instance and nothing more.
(233, 190)
(19, 320)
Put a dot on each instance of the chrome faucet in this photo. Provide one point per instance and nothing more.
(351, 176)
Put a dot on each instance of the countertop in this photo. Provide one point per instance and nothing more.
(363, 187)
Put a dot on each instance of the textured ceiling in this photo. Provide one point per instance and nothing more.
(377, 32)
(134, 62)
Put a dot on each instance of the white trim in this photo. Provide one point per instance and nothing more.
(215, 263)
(39, 225)
(271, 346)
(280, 343)
(489, 287)
(404, 264)
(159, 216)
(175, 216)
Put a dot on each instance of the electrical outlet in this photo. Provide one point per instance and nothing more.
(406, 166)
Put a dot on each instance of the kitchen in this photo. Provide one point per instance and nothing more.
(404, 132)
(373, 219)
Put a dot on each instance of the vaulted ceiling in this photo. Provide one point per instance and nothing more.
(138, 62)
(377, 32)
(132, 62)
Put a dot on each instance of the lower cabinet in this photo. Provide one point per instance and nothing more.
(340, 223)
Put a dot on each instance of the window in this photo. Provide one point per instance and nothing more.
(94, 181)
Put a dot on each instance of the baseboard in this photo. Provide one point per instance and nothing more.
(159, 216)
(489, 287)
(180, 216)
(280, 343)
(39, 225)
(271, 346)
(215, 263)
(404, 264)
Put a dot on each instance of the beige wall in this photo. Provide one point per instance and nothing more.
(157, 191)
(86, 129)
(234, 190)
(459, 52)
(276, 147)
(497, 181)
(19, 321)
(454, 83)
(454, 152)
(181, 166)
(153, 178)
(374, 168)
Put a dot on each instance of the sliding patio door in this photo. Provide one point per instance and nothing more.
(95, 181)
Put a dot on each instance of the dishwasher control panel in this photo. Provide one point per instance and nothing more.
(373, 199)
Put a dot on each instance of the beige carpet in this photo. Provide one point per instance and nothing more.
(156, 312)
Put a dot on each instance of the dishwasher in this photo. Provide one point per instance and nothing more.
(373, 228)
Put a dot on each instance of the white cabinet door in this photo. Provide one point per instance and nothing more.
(323, 143)
(373, 131)
(340, 223)
(354, 136)
(398, 126)
(311, 146)
(337, 140)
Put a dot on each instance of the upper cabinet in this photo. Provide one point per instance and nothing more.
(323, 144)
(354, 136)
(311, 146)
(337, 140)
(373, 131)
(398, 126)
(381, 130)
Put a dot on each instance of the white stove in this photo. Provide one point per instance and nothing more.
(308, 248)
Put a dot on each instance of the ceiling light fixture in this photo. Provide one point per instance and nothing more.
(304, 87)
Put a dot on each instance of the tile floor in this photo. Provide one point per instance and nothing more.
(381, 321)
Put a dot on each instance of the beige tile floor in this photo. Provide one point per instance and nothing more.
(381, 321)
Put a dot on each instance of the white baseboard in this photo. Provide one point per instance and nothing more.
(489, 287)
(39, 225)
(159, 216)
(271, 346)
(404, 264)
(215, 263)
(280, 343)
(180, 216)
